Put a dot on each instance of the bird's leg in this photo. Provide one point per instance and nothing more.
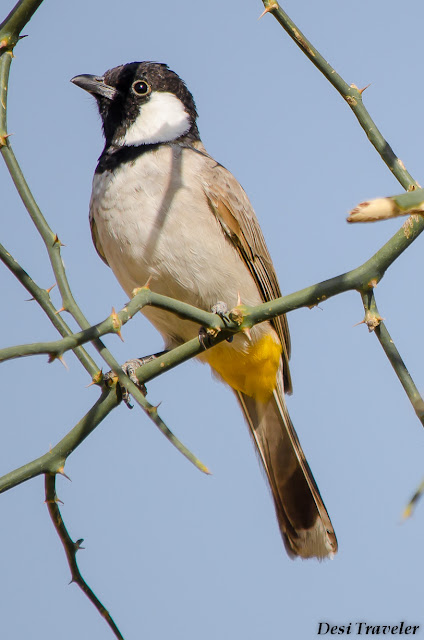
(129, 368)
(221, 310)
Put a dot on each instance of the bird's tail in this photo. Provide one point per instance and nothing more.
(303, 519)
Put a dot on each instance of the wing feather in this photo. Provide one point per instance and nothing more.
(231, 206)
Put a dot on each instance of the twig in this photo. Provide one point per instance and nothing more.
(43, 298)
(112, 324)
(351, 94)
(71, 549)
(375, 323)
(390, 207)
(54, 460)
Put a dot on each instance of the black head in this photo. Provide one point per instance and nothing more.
(142, 103)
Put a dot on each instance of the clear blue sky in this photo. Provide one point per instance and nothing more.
(173, 553)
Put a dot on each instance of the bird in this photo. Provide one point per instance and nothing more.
(163, 210)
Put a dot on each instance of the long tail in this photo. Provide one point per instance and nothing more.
(304, 522)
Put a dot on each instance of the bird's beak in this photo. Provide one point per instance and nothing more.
(95, 85)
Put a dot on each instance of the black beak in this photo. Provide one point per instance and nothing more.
(95, 85)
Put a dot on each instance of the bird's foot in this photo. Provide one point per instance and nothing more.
(205, 336)
(129, 368)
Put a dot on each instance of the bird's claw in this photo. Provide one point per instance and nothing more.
(221, 310)
(205, 336)
(129, 368)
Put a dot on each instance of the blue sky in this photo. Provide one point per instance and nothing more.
(171, 552)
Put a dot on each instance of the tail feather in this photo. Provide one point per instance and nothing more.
(303, 519)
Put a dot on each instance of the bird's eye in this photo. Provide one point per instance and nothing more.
(141, 88)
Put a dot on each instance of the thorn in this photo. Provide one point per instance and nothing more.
(78, 544)
(97, 379)
(30, 300)
(57, 241)
(50, 288)
(22, 37)
(147, 285)
(358, 323)
(238, 299)
(407, 512)
(59, 311)
(60, 358)
(58, 501)
(116, 323)
(247, 333)
(269, 8)
(373, 283)
(152, 410)
(3, 139)
(4, 43)
(361, 91)
(61, 471)
(372, 320)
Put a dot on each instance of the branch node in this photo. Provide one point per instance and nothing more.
(138, 289)
(116, 323)
(372, 320)
(352, 102)
(78, 544)
(61, 471)
(372, 283)
(98, 379)
(3, 139)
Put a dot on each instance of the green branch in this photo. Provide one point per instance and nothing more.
(351, 94)
(17, 19)
(53, 461)
(375, 323)
(42, 296)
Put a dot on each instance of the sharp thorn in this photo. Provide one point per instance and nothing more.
(267, 9)
(358, 323)
(60, 358)
(247, 333)
(61, 471)
(361, 91)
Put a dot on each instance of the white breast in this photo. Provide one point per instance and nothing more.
(153, 219)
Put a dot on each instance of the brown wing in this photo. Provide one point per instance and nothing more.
(232, 208)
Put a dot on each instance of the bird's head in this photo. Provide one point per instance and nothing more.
(142, 103)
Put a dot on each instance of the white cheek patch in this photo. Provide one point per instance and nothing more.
(161, 119)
